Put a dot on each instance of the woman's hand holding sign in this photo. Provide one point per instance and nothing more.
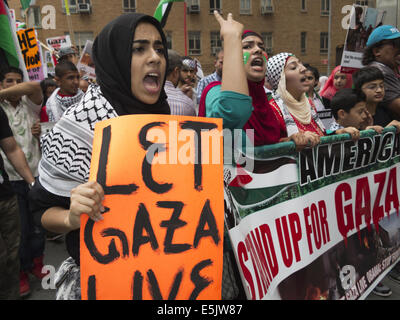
(85, 198)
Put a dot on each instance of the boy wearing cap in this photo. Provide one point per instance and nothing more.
(382, 51)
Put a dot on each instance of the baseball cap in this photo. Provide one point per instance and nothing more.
(66, 51)
(385, 32)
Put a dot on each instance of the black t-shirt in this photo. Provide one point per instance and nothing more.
(381, 116)
(39, 201)
(5, 132)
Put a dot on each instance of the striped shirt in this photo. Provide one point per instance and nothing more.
(179, 103)
(203, 83)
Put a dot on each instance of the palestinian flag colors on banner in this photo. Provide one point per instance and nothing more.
(25, 4)
(9, 41)
(163, 9)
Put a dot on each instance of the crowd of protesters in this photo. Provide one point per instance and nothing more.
(44, 185)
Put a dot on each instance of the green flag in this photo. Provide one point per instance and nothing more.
(8, 40)
(25, 4)
(162, 11)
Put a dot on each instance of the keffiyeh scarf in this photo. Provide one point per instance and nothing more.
(57, 104)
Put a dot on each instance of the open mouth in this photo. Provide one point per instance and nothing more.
(152, 82)
(257, 64)
(303, 79)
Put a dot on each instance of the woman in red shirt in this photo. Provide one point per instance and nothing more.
(296, 113)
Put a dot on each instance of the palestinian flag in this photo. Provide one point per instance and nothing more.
(163, 9)
(25, 4)
(267, 180)
(9, 41)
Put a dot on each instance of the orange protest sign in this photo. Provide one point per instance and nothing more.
(162, 233)
(29, 48)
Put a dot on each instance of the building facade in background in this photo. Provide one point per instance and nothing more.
(297, 26)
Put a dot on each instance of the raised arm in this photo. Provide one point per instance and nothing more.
(234, 76)
(31, 89)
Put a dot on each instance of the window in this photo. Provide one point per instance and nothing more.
(81, 38)
(362, 3)
(323, 47)
(215, 5)
(303, 42)
(245, 6)
(267, 4)
(72, 6)
(128, 5)
(194, 43)
(303, 5)
(215, 42)
(168, 36)
(325, 5)
(34, 17)
(267, 37)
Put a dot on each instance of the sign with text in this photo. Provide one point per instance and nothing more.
(320, 224)
(86, 65)
(31, 53)
(363, 21)
(59, 42)
(162, 233)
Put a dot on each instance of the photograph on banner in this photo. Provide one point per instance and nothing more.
(31, 53)
(363, 20)
(328, 230)
(163, 227)
(86, 65)
(49, 62)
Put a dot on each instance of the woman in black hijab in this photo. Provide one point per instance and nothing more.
(130, 56)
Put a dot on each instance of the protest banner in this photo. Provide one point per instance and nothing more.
(31, 53)
(59, 42)
(162, 233)
(363, 20)
(86, 65)
(319, 224)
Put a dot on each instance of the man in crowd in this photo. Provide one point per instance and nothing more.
(179, 103)
(216, 76)
(187, 80)
(22, 102)
(383, 52)
(10, 229)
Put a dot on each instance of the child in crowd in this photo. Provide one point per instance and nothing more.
(349, 110)
(370, 81)
(68, 93)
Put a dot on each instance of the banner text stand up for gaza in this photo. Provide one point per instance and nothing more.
(320, 224)
(162, 233)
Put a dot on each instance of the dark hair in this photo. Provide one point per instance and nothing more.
(345, 99)
(63, 67)
(365, 75)
(44, 84)
(11, 69)
(368, 55)
(174, 61)
(314, 70)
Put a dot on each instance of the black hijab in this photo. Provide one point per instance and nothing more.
(112, 55)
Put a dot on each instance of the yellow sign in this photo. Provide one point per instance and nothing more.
(29, 48)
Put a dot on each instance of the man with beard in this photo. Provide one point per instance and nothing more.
(179, 103)
(187, 81)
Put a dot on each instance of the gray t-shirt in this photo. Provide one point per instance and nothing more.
(392, 83)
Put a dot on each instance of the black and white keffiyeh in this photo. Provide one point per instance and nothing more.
(56, 104)
(67, 148)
